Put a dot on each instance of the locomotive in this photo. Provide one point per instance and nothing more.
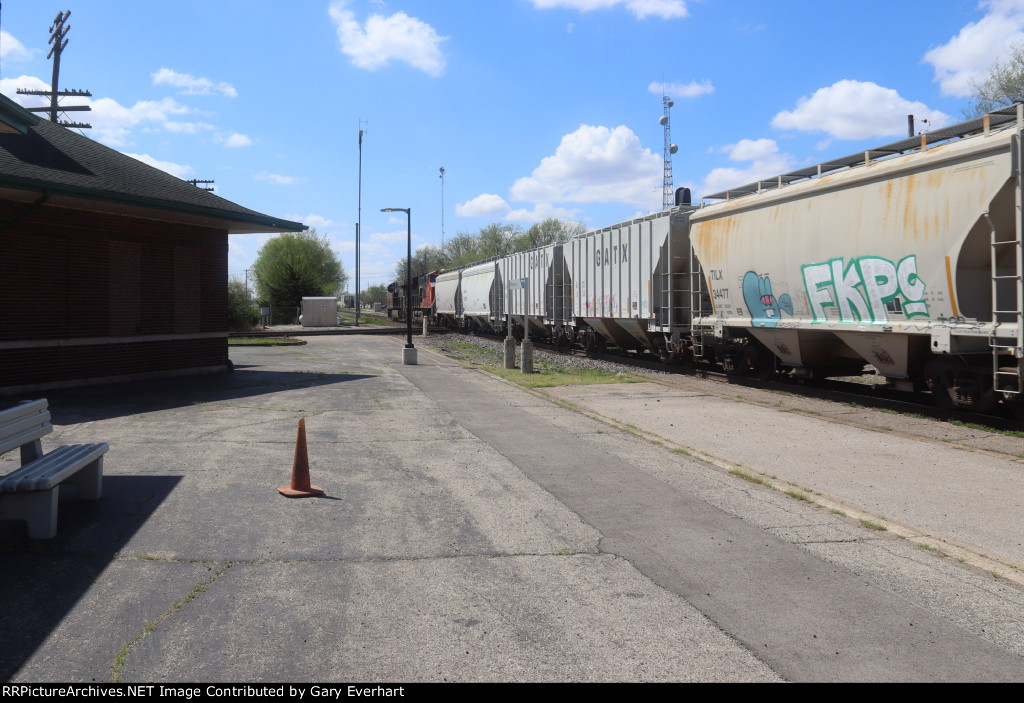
(907, 257)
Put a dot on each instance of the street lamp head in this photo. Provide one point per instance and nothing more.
(395, 209)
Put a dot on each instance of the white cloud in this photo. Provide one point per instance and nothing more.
(112, 122)
(397, 37)
(191, 85)
(595, 164)
(692, 89)
(665, 9)
(751, 149)
(967, 57)
(851, 109)
(312, 221)
(236, 140)
(389, 237)
(9, 87)
(13, 50)
(275, 178)
(482, 205)
(169, 166)
(766, 161)
(186, 127)
(543, 211)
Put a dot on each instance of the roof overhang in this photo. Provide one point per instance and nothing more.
(76, 198)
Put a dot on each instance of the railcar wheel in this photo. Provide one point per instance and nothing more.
(936, 382)
(660, 349)
(759, 363)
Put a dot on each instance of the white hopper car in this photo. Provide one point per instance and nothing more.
(907, 257)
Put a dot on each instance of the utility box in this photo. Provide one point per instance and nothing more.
(319, 312)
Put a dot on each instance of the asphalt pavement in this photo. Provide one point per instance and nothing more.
(472, 531)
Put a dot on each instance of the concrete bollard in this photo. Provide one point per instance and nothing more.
(510, 353)
(426, 321)
(527, 361)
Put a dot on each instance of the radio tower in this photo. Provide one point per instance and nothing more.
(58, 34)
(667, 194)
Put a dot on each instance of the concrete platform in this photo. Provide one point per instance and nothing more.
(470, 532)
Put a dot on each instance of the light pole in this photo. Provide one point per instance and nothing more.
(409, 353)
(359, 221)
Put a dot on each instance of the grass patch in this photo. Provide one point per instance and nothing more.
(797, 495)
(747, 476)
(872, 525)
(264, 341)
(983, 428)
(349, 320)
(551, 376)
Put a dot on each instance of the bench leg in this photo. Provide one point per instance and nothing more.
(37, 508)
(89, 480)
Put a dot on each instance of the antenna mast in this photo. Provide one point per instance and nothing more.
(667, 195)
(442, 205)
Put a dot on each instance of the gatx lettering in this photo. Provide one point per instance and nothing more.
(611, 255)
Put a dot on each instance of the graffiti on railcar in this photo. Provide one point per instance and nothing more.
(866, 289)
(765, 309)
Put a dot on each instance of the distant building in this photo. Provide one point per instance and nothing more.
(110, 269)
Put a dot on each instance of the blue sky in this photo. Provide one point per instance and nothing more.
(535, 108)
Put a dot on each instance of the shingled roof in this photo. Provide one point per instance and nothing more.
(41, 159)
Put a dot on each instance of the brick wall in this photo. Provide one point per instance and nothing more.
(72, 275)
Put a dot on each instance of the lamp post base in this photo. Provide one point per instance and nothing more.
(409, 356)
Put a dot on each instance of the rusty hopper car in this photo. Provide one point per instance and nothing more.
(906, 257)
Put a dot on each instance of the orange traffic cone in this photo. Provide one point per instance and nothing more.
(300, 487)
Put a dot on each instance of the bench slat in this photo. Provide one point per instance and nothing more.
(24, 430)
(25, 407)
(52, 469)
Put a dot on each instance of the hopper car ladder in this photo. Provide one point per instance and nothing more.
(696, 305)
(674, 295)
(1008, 298)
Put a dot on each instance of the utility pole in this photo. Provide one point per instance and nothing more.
(197, 181)
(58, 37)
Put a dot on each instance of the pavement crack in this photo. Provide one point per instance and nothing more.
(115, 669)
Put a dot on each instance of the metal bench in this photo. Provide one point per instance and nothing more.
(30, 492)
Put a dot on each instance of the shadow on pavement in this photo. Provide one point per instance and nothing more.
(42, 580)
(105, 401)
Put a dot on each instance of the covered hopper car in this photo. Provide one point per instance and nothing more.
(907, 257)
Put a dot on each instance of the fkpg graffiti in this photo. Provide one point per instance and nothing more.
(862, 289)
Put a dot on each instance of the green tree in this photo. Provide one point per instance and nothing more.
(374, 294)
(295, 265)
(424, 260)
(549, 231)
(1004, 85)
(242, 311)
(462, 249)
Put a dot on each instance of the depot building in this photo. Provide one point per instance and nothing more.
(110, 269)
